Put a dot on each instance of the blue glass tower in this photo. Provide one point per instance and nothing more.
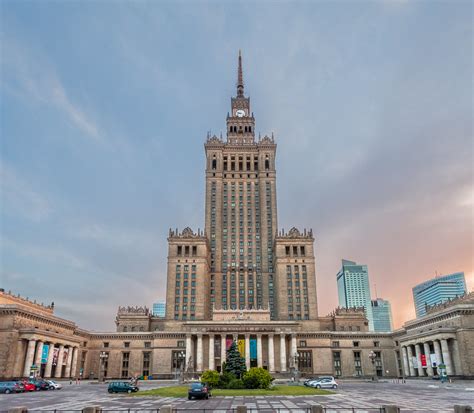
(382, 313)
(438, 290)
(353, 288)
(159, 309)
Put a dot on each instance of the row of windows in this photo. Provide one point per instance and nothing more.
(355, 343)
(185, 250)
(295, 251)
(126, 344)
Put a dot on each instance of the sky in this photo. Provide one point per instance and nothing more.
(105, 107)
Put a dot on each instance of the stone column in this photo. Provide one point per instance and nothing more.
(59, 364)
(429, 368)
(410, 361)
(211, 352)
(447, 357)
(189, 351)
(271, 354)
(283, 353)
(74, 362)
(259, 351)
(223, 349)
(294, 348)
(421, 372)
(406, 369)
(199, 353)
(39, 352)
(457, 358)
(437, 349)
(49, 363)
(247, 351)
(67, 371)
(30, 354)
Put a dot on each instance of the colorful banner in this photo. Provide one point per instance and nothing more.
(65, 353)
(241, 346)
(423, 360)
(228, 343)
(44, 354)
(55, 356)
(253, 348)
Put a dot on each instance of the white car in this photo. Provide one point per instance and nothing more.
(54, 386)
(324, 383)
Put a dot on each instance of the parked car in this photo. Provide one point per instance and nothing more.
(199, 390)
(28, 386)
(54, 385)
(121, 387)
(324, 383)
(11, 387)
(40, 384)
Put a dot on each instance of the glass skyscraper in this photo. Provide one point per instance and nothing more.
(382, 313)
(159, 308)
(438, 290)
(353, 288)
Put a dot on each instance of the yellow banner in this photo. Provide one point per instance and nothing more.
(241, 346)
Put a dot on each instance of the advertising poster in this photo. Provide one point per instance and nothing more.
(65, 353)
(415, 362)
(44, 354)
(241, 346)
(434, 360)
(253, 348)
(228, 343)
(423, 360)
(55, 356)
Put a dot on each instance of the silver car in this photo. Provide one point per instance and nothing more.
(324, 383)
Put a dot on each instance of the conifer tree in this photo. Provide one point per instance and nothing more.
(235, 363)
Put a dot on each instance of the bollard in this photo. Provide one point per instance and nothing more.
(390, 408)
(317, 409)
(241, 409)
(166, 408)
(18, 410)
(91, 409)
(462, 409)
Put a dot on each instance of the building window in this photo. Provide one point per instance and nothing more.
(357, 363)
(106, 345)
(125, 360)
(355, 343)
(126, 344)
(305, 361)
(336, 357)
(335, 344)
(302, 343)
(146, 363)
(180, 343)
(147, 344)
(376, 344)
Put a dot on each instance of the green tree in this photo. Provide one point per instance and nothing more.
(235, 363)
(210, 377)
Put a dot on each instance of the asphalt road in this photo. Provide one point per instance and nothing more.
(414, 396)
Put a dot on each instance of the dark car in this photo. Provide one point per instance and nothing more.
(121, 387)
(11, 387)
(199, 390)
(39, 384)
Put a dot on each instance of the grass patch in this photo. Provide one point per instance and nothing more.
(278, 390)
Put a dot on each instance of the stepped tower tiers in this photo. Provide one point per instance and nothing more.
(249, 266)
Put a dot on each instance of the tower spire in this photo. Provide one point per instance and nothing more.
(240, 78)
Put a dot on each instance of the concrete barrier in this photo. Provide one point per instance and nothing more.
(167, 408)
(317, 409)
(390, 408)
(241, 409)
(18, 410)
(462, 409)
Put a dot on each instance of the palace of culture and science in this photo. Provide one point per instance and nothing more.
(242, 280)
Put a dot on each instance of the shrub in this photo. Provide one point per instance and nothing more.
(210, 377)
(236, 384)
(257, 378)
(224, 379)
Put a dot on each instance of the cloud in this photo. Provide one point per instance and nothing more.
(28, 74)
(19, 198)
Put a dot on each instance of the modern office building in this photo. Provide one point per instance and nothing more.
(438, 290)
(382, 313)
(159, 308)
(353, 288)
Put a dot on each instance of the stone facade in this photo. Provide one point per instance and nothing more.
(240, 279)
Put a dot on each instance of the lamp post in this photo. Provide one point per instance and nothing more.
(372, 357)
(103, 356)
(296, 357)
(181, 360)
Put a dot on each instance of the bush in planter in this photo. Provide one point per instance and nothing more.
(257, 378)
(236, 384)
(210, 377)
(224, 379)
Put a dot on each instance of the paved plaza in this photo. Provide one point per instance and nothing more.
(414, 396)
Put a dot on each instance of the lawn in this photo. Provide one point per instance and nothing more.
(278, 390)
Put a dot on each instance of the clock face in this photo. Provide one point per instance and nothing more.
(240, 113)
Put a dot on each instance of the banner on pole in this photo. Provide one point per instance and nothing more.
(44, 354)
(253, 348)
(241, 346)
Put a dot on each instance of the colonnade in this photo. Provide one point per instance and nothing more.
(271, 338)
(34, 352)
(446, 351)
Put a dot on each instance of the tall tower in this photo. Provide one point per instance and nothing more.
(241, 211)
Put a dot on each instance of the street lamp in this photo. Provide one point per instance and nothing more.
(103, 356)
(296, 357)
(181, 359)
(372, 357)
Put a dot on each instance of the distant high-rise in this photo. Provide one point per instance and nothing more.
(382, 314)
(353, 288)
(438, 290)
(159, 308)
